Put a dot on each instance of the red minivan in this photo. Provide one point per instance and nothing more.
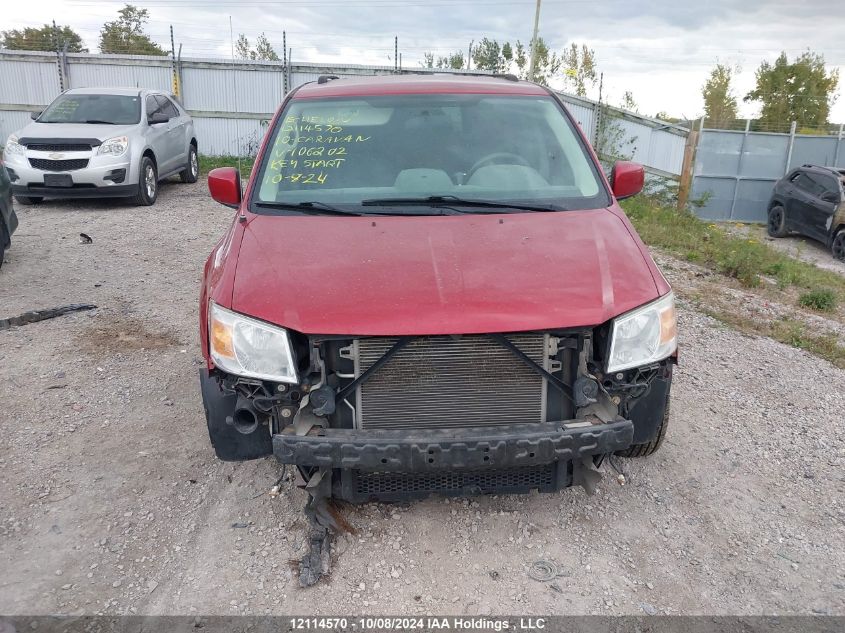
(429, 287)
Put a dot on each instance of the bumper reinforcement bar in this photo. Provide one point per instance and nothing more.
(465, 448)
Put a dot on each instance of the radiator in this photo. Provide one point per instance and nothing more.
(442, 382)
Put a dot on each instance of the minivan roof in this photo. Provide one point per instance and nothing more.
(436, 83)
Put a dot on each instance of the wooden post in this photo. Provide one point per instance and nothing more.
(686, 168)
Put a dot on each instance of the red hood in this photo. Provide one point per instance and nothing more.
(440, 275)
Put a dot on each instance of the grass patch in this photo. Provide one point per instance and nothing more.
(746, 260)
(207, 163)
(787, 331)
(822, 300)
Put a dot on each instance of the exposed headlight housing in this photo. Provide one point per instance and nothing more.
(13, 147)
(116, 146)
(249, 347)
(645, 335)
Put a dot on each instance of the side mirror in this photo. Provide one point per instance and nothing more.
(626, 179)
(157, 117)
(35, 115)
(830, 196)
(224, 184)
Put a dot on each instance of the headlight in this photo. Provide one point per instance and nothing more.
(13, 147)
(248, 347)
(643, 336)
(114, 146)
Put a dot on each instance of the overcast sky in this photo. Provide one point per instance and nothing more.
(660, 50)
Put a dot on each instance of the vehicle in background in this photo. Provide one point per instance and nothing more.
(102, 142)
(810, 200)
(8, 219)
(429, 287)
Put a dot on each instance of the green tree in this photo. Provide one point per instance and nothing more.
(45, 38)
(546, 63)
(490, 55)
(801, 91)
(720, 106)
(126, 34)
(242, 50)
(628, 102)
(263, 49)
(579, 65)
(455, 61)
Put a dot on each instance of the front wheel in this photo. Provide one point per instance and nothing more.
(776, 226)
(649, 448)
(837, 247)
(147, 183)
(192, 169)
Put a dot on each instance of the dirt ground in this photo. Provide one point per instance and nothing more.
(111, 499)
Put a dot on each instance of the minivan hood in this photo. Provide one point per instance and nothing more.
(427, 275)
(74, 130)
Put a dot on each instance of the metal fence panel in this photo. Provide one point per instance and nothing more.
(29, 80)
(666, 152)
(735, 172)
(83, 72)
(718, 153)
(719, 193)
(658, 145)
(752, 199)
(584, 113)
(228, 136)
(816, 150)
(11, 121)
(232, 89)
(764, 156)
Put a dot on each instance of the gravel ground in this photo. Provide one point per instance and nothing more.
(112, 500)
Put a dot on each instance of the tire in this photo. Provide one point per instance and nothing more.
(837, 246)
(192, 171)
(28, 200)
(649, 448)
(776, 225)
(147, 183)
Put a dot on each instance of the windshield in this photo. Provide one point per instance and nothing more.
(79, 108)
(407, 148)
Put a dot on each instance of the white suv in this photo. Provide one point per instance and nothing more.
(96, 142)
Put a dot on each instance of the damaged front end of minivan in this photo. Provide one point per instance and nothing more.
(396, 418)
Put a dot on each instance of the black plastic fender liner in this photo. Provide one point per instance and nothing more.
(647, 413)
(230, 444)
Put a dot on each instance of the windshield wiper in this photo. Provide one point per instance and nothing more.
(98, 122)
(310, 208)
(321, 208)
(456, 201)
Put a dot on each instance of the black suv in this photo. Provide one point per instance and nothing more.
(809, 200)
